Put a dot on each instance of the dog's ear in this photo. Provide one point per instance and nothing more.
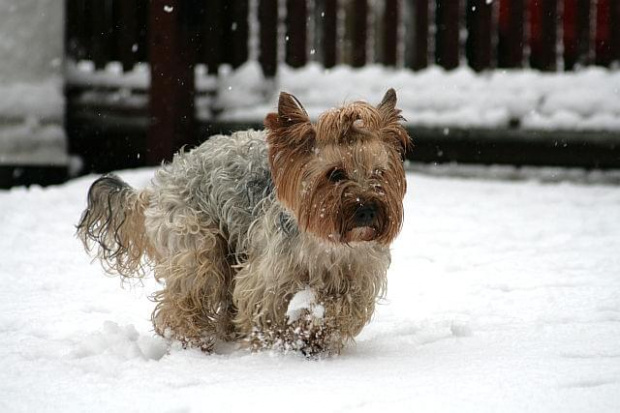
(291, 139)
(388, 103)
(290, 128)
(391, 118)
(291, 113)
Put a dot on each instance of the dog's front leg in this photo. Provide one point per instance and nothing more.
(323, 322)
(307, 328)
(300, 324)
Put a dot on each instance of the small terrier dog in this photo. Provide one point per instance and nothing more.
(277, 238)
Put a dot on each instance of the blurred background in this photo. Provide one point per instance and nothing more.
(100, 85)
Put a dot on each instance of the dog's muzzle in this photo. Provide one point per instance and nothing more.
(364, 226)
(365, 215)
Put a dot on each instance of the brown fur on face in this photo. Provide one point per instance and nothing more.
(342, 178)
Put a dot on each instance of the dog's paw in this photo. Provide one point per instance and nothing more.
(306, 329)
(204, 342)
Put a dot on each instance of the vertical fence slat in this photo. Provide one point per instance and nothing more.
(143, 31)
(360, 32)
(236, 32)
(171, 106)
(127, 32)
(268, 36)
(479, 41)
(75, 38)
(199, 34)
(214, 34)
(97, 23)
(614, 26)
(510, 33)
(576, 32)
(417, 58)
(543, 34)
(391, 18)
(570, 29)
(196, 29)
(113, 31)
(226, 33)
(102, 32)
(329, 32)
(603, 40)
(447, 19)
(296, 31)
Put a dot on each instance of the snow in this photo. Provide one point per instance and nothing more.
(434, 97)
(31, 40)
(31, 122)
(123, 342)
(31, 142)
(43, 100)
(31, 119)
(503, 296)
(83, 74)
(31, 82)
(304, 300)
(587, 99)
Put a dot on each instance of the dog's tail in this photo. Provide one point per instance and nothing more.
(112, 227)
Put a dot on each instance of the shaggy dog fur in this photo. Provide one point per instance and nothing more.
(278, 238)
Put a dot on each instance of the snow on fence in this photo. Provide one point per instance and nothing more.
(172, 67)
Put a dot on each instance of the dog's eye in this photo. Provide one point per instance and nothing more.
(337, 175)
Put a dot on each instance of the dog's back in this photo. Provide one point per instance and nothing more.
(218, 185)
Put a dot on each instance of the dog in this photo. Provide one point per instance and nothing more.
(277, 238)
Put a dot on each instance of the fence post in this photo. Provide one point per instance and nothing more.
(329, 16)
(510, 33)
(213, 35)
(614, 26)
(543, 37)
(478, 44)
(417, 58)
(391, 19)
(77, 30)
(127, 32)
(268, 36)
(576, 33)
(102, 32)
(360, 32)
(607, 41)
(296, 40)
(143, 31)
(447, 18)
(171, 96)
(237, 32)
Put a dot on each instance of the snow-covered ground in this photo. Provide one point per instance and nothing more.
(503, 296)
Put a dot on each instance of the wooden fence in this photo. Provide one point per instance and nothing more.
(542, 34)
(175, 35)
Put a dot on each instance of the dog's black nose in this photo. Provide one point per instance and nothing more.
(365, 215)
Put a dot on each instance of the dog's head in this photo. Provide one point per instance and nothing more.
(342, 177)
